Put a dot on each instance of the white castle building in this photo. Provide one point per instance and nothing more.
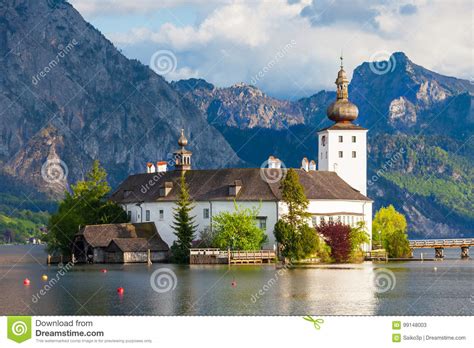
(336, 190)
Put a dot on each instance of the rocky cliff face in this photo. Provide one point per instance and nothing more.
(241, 106)
(67, 95)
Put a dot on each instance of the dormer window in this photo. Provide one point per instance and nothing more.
(166, 188)
(235, 188)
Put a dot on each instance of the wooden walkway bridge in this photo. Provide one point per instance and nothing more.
(214, 256)
(440, 244)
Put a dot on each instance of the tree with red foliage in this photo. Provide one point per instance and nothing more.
(338, 237)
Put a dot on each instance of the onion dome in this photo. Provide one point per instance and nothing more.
(342, 110)
(182, 141)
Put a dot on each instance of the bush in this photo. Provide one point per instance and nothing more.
(238, 230)
(338, 237)
(301, 243)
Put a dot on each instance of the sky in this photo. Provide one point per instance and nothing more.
(288, 48)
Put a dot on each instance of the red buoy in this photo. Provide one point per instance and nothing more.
(120, 291)
(26, 281)
(234, 284)
(104, 271)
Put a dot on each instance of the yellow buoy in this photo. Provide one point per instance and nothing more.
(44, 277)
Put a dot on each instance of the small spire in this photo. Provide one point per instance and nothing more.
(182, 141)
(342, 60)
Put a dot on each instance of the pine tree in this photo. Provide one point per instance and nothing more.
(183, 224)
(292, 193)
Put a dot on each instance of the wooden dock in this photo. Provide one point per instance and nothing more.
(376, 255)
(217, 256)
(251, 257)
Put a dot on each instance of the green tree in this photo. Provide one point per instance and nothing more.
(358, 237)
(86, 204)
(391, 227)
(238, 229)
(301, 243)
(296, 238)
(183, 225)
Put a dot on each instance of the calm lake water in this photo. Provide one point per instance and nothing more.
(402, 288)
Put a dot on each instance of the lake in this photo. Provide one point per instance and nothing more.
(395, 288)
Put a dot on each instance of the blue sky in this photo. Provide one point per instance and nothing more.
(288, 48)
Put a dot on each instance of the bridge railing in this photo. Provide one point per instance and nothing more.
(435, 243)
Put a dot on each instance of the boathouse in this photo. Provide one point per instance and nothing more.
(119, 243)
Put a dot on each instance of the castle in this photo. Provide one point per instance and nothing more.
(336, 188)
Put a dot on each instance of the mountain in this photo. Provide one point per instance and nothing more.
(68, 96)
(420, 140)
(241, 106)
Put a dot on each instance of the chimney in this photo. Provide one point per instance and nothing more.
(235, 188)
(161, 166)
(150, 167)
(312, 165)
(166, 188)
(305, 164)
(274, 163)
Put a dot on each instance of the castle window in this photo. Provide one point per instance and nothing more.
(161, 214)
(354, 138)
(205, 213)
(340, 154)
(147, 215)
(354, 154)
(331, 219)
(262, 222)
(340, 138)
(314, 220)
(129, 215)
(323, 140)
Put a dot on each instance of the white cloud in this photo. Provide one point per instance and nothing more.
(110, 7)
(239, 38)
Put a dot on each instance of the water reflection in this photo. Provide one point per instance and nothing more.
(422, 288)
